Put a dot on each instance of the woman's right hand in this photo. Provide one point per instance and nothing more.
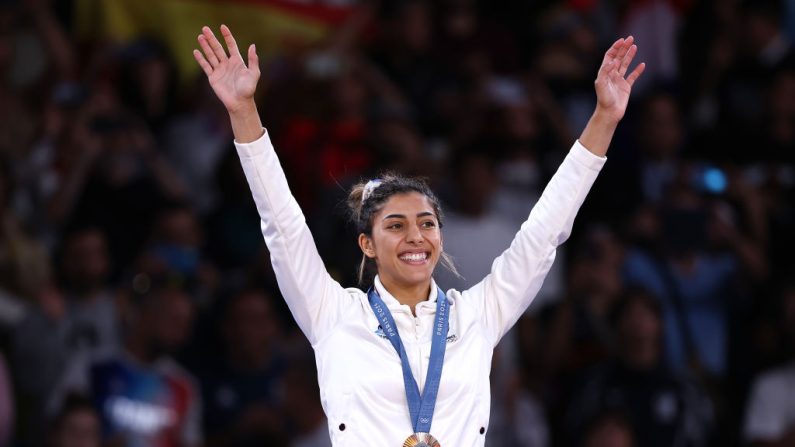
(232, 81)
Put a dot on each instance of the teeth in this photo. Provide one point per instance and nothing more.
(414, 257)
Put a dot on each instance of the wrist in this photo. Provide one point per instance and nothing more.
(605, 117)
(246, 124)
(244, 109)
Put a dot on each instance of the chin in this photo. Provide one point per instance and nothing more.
(417, 278)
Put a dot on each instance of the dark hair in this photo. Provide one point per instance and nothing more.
(147, 286)
(606, 417)
(362, 211)
(629, 297)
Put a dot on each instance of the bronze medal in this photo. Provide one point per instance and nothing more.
(421, 440)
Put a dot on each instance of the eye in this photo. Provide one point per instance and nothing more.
(429, 224)
(394, 226)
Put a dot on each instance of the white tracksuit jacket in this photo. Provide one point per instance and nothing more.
(359, 372)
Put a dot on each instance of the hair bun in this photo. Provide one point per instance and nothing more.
(370, 187)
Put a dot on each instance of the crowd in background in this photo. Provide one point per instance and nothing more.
(137, 302)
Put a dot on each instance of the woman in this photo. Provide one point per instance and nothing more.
(405, 359)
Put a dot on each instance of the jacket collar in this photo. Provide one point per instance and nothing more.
(392, 303)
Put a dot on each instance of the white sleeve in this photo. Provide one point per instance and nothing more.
(764, 420)
(517, 274)
(314, 298)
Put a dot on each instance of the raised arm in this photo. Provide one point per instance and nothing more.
(612, 87)
(232, 81)
(315, 299)
(517, 274)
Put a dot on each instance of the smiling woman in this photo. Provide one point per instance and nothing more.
(399, 222)
(405, 358)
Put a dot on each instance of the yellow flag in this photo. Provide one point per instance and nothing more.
(274, 25)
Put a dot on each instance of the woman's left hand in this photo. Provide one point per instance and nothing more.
(612, 85)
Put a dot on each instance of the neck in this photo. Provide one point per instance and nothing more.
(136, 347)
(408, 294)
(250, 363)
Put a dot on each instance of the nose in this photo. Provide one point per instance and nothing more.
(414, 234)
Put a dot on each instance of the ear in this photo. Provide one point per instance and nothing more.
(366, 244)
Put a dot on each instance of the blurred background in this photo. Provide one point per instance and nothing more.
(137, 302)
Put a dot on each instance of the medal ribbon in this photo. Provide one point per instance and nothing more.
(420, 407)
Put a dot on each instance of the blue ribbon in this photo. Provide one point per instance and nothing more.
(420, 406)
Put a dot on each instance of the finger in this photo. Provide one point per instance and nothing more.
(613, 50)
(209, 54)
(627, 60)
(636, 74)
(208, 70)
(606, 67)
(214, 44)
(230, 41)
(625, 46)
(253, 59)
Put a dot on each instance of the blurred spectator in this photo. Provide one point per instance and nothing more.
(779, 117)
(176, 245)
(518, 417)
(644, 168)
(655, 24)
(17, 117)
(143, 397)
(76, 425)
(526, 130)
(233, 233)
(609, 429)
(61, 145)
(580, 333)
(770, 416)
(329, 142)
(6, 405)
(78, 319)
(513, 137)
(760, 55)
(60, 52)
(196, 143)
(122, 183)
(568, 52)
(663, 408)
(404, 51)
(148, 83)
(243, 391)
(302, 405)
(661, 136)
(689, 253)
(24, 264)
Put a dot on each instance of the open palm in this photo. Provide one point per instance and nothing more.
(612, 88)
(232, 81)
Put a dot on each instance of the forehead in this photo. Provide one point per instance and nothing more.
(407, 204)
(639, 306)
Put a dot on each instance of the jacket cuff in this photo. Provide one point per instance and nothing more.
(585, 157)
(256, 147)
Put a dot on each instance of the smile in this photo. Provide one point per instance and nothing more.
(414, 258)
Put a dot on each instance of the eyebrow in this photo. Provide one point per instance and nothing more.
(403, 216)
